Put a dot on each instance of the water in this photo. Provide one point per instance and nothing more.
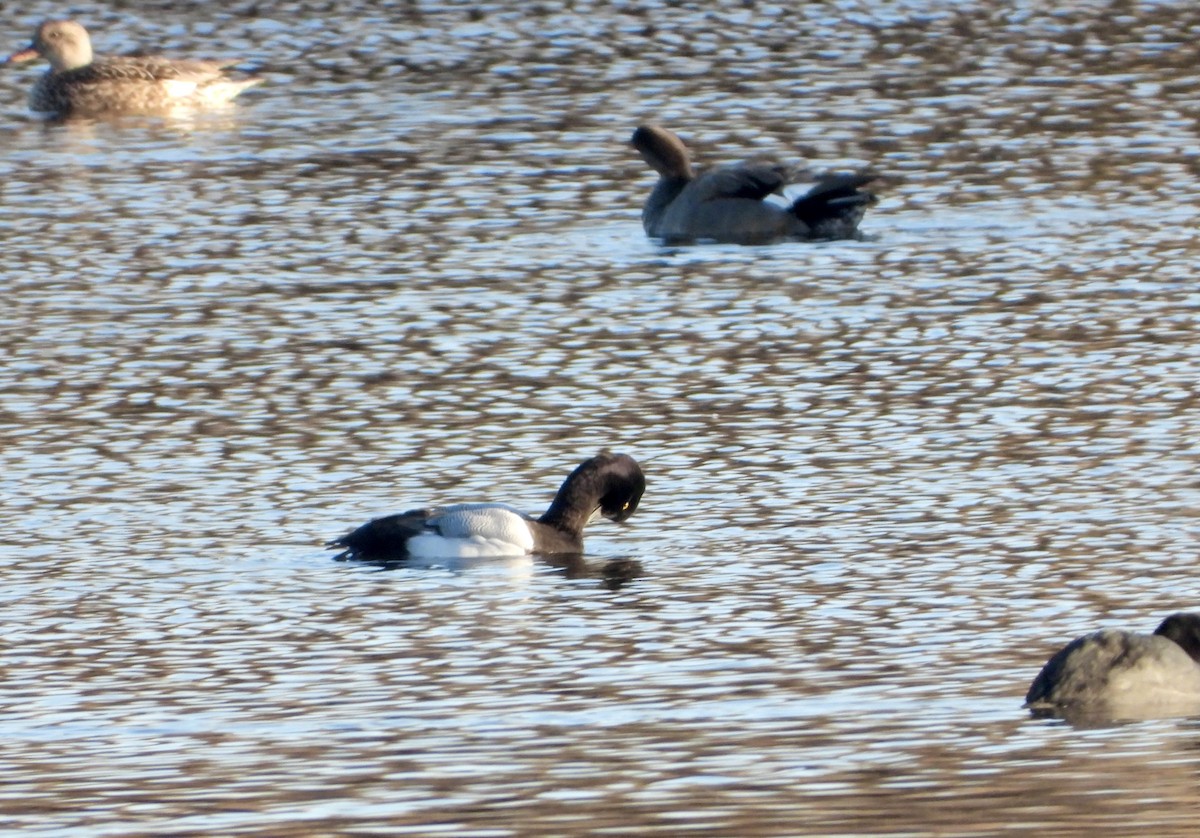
(887, 478)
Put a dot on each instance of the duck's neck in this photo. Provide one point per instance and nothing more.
(571, 511)
(80, 56)
(665, 191)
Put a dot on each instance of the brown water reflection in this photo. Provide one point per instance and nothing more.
(886, 478)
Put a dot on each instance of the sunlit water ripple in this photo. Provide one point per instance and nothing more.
(887, 478)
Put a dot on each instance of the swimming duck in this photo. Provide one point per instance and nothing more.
(1124, 674)
(608, 484)
(77, 83)
(726, 204)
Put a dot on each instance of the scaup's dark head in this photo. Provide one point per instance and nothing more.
(625, 485)
(1184, 629)
(608, 484)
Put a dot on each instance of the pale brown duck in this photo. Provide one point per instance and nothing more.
(80, 83)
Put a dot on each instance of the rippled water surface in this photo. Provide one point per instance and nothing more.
(887, 478)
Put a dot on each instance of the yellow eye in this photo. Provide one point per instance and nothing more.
(625, 506)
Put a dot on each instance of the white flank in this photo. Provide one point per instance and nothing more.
(473, 531)
(178, 88)
(220, 92)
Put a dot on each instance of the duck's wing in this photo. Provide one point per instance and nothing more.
(1079, 674)
(748, 181)
(480, 521)
(383, 539)
(835, 205)
(150, 68)
(493, 527)
(1054, 684)
(831, 194)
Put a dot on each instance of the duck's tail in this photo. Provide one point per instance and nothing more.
(833, 208)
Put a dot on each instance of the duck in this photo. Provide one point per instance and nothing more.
(608, 485)
(726, 204)
(1124, 674)
(79, 83)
